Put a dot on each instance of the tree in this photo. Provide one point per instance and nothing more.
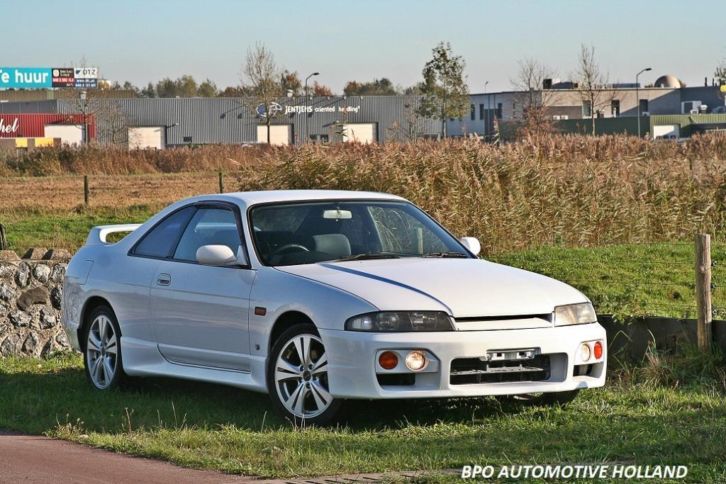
(166, 88)
(207, 89)
(186, 86)
(148, 91)
(264, 85)
(445, 95)
(291, 82)
(321, 90)
(533, 99)
(377, 87)
(720, 74)
(592, 84)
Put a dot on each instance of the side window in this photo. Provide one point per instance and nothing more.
(160, 241)
(209, 226)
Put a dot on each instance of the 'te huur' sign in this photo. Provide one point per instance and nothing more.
(47, 77)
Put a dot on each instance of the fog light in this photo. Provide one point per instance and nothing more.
(585, 352)
(416, 360)
(388, 360)
(597, 351)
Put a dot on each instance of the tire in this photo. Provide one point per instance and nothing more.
(300, 391)
(102, 349)
(551, 399)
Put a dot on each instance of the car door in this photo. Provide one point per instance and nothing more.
(201, 313)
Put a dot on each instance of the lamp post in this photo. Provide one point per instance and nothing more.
(307, 135)
(637, 94)
(84, 110)
(486, 112)
(166, 129)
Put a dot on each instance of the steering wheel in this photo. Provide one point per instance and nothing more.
(285, 249)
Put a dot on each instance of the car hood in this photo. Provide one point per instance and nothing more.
(466, 288)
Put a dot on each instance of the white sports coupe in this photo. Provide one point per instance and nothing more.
(320, 296)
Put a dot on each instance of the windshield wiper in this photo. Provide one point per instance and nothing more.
(457, 255)
(370, 256)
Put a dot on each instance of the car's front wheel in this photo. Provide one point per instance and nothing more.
(102, 355)
(297, 377)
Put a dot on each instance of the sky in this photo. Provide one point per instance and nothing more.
(147, 40)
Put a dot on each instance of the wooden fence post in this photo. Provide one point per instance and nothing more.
(86, 190)
(221, 182)
(703, 291)
(3, 240)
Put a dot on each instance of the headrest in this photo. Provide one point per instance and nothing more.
(336, 245)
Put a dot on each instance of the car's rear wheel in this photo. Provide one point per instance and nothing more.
(102, 355)
(297, 377)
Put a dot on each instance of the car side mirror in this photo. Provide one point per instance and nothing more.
(472, 244)
(216, 255)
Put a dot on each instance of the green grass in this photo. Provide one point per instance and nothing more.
(67, 230)
(631, 279)
(215, 427)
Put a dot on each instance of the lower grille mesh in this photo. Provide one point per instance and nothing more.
(466, 371)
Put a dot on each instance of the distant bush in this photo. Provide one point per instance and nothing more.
(563, 189)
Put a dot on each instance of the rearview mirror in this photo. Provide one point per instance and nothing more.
(472, 244)
(217, 255)
(337, 214)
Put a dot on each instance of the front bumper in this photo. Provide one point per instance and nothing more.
(352, 369)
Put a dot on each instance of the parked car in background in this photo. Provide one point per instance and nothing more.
(317, 297)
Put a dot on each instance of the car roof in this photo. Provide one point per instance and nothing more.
(272, 196)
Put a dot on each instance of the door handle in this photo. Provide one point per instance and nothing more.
(163, 279)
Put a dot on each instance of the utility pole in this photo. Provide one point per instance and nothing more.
(637, 94)
(307, 134)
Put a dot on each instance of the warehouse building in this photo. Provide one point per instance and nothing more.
(162, 122)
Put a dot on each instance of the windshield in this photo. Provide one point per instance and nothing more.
(305, 233)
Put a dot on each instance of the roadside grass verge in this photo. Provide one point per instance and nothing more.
(215, 427)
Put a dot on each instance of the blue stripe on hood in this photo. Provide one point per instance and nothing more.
(388, 281)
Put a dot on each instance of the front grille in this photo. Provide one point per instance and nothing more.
(467, 371)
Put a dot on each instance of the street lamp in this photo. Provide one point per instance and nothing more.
(486, 112)
(84, 110)
(637, 94)
(307, 135)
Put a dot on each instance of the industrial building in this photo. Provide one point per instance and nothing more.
(162, 122)
(667, 108)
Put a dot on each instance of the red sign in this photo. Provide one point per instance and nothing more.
(33, 125)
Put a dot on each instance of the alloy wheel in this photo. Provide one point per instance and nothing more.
(102, 352)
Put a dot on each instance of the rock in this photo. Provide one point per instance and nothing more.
(61, 340)
(57, 254)
(47, 319)
(7, 293)
(41, 273)
(35, 253)
(36, 295)
(59, 271)
(22, 277)
(9, 346)
(31, 343)
(56, 297)
(8, 255)
(6, 270)
(19, 319)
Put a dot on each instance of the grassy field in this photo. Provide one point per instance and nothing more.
(214, 427)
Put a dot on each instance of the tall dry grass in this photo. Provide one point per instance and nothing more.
(568, 190)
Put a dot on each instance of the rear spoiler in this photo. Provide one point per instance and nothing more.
(97, 235)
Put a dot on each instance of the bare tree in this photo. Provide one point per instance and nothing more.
(533, 98)
(263, 77)
(592, 83)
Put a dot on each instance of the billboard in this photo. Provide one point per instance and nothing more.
(47, 77)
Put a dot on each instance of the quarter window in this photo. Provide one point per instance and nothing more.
(160, 240)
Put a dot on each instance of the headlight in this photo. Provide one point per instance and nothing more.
(575, 314)
(400, 321)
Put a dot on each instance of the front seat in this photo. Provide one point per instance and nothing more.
(336, 245)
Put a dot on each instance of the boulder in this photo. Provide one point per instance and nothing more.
(59, 271)
(41, 273)
(56, 297)
(36, 295)
(35, 253)
(6, 270)
(7, 293)
(47, 319)
(22, 277)
(20, 319)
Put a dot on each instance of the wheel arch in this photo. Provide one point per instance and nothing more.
(285, 321)
(91, 303)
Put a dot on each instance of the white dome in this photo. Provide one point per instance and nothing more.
(668, 81)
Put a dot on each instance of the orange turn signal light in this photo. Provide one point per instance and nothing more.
(388, 360)
(597, 350)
